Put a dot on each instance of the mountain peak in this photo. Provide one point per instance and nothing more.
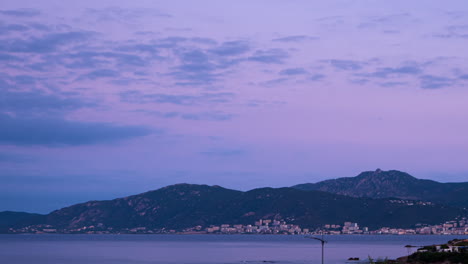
(191, 185)
(376, 184)
(391, 176)
(186, 186)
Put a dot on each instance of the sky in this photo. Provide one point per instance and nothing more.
(104, 99)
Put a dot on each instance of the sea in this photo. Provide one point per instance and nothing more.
(206, 249)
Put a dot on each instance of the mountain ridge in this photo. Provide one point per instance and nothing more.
(11, 219)
(367, 199)
(188, 205)
(393, 183)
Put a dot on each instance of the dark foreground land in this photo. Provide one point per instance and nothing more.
(428, 258)
(438, 257)
(454, 252)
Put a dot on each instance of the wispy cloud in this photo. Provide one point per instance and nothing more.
(199, 66)
(93, 59)
(177, 99)
(274, 82)
(295, 38)
(270, 56)
(393, 84)
(14, 158)
(317, 77)
(9, 58)
(453, 31)
(391, 20)
(126, 15)
(224, 153)
(293, 71)
(37, 102)
(436, 82)
(98, 74)
(12, 28)
(21, 12)
(194, 116)
(395, 71)
(210, 116)
(346, 65)
(52, 132)
(44, 44)
(231, 48)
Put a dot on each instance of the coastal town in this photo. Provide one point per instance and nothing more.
(262, 226)
(455, 227)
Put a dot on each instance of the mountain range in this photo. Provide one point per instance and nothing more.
(394, 184)
(371, 199)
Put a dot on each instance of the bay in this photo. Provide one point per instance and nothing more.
(198, 249)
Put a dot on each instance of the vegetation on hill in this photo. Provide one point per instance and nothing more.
(368, 199)
(454, 252)
(397, 184)
(438, 257)
(185, 205)
(11, 219)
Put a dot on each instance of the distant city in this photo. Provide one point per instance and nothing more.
(263, 226)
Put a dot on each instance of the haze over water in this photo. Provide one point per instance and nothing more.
(198, 249)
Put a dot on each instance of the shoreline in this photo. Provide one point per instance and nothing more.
(225, 234)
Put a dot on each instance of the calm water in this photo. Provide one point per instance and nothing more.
(197, 249)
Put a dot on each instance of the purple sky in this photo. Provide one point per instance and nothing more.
(101, 99)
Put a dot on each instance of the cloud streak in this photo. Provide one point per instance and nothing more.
(436, 82)
(21, 12)
(293, 71)
(397, 71)
(43, 131)
(346, 65)
(294, 38)
(14, 158)
(224, 153)
(269, 56)
(45, 44)
(37, 102)
(181, 99)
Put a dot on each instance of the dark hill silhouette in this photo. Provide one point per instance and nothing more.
(393, 183)
(13, 219)
(187, 205)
